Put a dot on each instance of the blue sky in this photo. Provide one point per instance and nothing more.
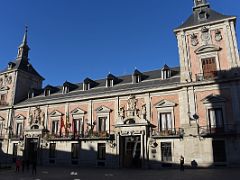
(74, 39)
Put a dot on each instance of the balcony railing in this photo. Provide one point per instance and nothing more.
(167, 132)
(78, 135)
(16, 136)
(218, 130)
(217, 75)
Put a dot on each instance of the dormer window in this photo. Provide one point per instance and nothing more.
(202, 15)
(10, 65)
(65, 89)
(47, 92)
(30, 94)
(111, 80)
(166, 72)
(137, 76)
(109, 83)
(86, 86)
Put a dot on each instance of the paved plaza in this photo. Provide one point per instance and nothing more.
(74, 173)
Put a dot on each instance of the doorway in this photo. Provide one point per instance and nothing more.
(130, 152)
(31, 150)
(219, 151)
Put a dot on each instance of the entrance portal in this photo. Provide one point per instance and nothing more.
(130, 153)
(31, 149)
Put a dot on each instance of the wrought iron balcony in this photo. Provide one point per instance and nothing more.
(217, 75)
(78, 135)
(168, 132)
(17, 136)
(226, 129)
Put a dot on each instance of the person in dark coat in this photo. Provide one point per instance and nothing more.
(182, 163)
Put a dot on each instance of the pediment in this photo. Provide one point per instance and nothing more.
(78, 111)
(103, 109)
(207, 48)
(1, 118)
(211, 99)
(55, 113)
(165, 103)
(20, 117)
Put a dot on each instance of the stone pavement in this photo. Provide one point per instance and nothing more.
(75, 173)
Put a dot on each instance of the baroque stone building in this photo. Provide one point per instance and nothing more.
(145, 119)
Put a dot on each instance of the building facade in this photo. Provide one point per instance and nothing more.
(142, 120)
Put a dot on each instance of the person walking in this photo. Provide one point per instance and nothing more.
(182, 163)
(18, 164)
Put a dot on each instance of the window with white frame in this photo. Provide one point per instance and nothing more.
(102, 124)
(1, 127)
(165, 121)
(55, 124)
(78, 125)
(19, 128)
(215, 117)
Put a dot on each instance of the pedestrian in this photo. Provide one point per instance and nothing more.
(27, 164)
(34, 167)
(182, 163)
(18, 164)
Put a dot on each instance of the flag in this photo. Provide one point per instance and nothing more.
(61, 125)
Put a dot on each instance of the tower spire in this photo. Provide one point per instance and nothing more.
(200, 3)
(23, 49)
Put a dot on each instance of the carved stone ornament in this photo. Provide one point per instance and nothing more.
(131, 106)
(205, 35)
(218, 35)
(194, 40)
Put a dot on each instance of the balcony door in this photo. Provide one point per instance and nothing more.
(209, 67)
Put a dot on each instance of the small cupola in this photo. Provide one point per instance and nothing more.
(166, 72)
(111, 80)
(34, 92)
(136, 76)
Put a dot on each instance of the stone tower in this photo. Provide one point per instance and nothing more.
(18, 77)
(207, 43)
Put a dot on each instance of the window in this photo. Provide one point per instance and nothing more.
(166, 73)
(102, 124)
(55, 127)
(166, 150)
(75, 151)
(165, 122)
(86, 86)
(215, 117)
(47, 92)
(209, 67)
(3, 97)
(19, 129)
(52, 150)
(101, 151)
(65, 89)
(78, 126)
(109, 82)
(1, 128)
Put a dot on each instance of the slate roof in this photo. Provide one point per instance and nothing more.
(152, 79)
(24, 66)
(212, 16)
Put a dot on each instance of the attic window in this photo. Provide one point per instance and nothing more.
(47, 92)
(109, 83)
(202, 15)
(136, 78)
(65, 89)
(10, 65)
(86, 86)
(166, 72)
(30, 94)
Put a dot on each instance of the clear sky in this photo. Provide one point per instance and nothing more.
(74, 39)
